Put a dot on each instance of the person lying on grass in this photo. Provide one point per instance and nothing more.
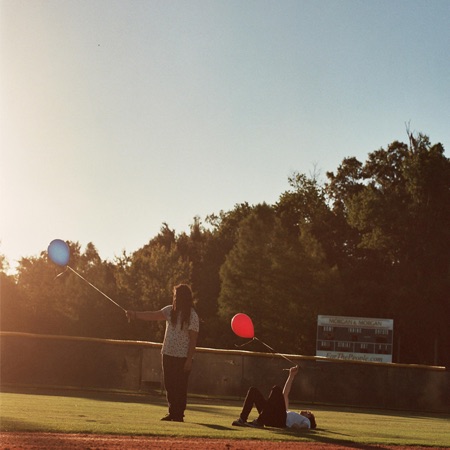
(274, 412)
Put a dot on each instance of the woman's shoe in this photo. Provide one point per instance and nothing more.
(240, 423)
(256, 424)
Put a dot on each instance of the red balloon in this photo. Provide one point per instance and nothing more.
(242, 325)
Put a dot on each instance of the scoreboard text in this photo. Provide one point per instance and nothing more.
(355, 338)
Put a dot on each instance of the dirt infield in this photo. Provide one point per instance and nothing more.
(49, 441)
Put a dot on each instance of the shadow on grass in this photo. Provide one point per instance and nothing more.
(207, 409)
(316, 436)
(153, 397)
(216, 427)
(9, 424)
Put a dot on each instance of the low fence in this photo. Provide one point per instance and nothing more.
(84, 363)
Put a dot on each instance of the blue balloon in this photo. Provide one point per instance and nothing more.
(58, 251)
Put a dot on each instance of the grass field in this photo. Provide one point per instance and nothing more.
(74, 412)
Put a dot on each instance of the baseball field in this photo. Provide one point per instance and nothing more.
(48, 419)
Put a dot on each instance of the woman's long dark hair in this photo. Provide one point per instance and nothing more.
(182, 303)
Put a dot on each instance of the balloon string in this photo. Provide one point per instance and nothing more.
(245, 343)
(98, 290)
(59, 274)
(270, 348)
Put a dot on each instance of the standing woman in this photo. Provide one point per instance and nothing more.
(178, 348)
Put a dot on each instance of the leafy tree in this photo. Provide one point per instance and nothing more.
(247, 268)
(12, 317)
(147, 279)
(206, 247)
(306, 207)
(276, 278)
(198, 247)
(45, 298)
(398, 204)
(45, 306)
(96, 316)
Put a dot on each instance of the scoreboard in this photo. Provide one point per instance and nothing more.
(355, 338)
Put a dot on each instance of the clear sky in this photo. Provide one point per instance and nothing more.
(117, 116)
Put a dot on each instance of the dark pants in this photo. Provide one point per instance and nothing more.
(272, 412)
(175, 382)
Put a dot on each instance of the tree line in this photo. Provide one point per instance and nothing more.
(373, 240)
